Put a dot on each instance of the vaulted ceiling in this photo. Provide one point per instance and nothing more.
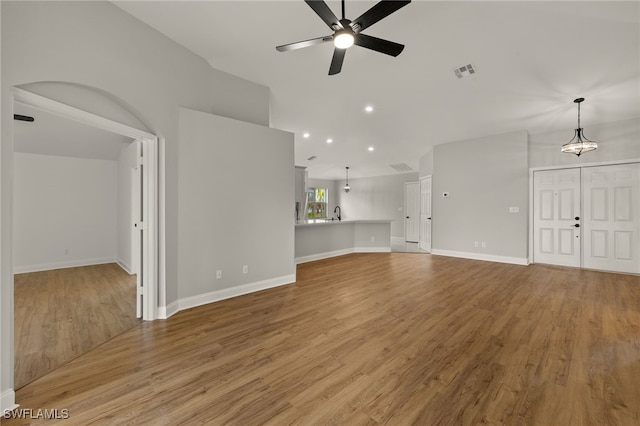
(531, 60)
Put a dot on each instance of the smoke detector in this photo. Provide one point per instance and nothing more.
(464, 71)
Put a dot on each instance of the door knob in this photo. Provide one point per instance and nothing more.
(577, 225)
(428, 218)
(407, 217)
(577, 217)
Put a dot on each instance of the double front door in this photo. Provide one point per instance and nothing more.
(588, 217)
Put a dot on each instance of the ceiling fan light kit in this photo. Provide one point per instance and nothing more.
(579, 143)
(346, 33)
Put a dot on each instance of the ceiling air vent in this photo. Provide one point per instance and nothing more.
(464, 71)
(313, 157)
(401, 167)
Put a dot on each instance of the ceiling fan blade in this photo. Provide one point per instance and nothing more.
(323, 11)
(379, 45)
(20, 117)
(336, 61)
(381, 10)
(305, 43)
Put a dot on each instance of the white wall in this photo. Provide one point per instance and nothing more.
(118, 63)
(126, 162)
(380, 197)
(619, 140)
(64, 212)
(236, 194)
(484, 177)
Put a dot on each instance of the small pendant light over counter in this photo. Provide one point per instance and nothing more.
(579, 143)
(347, 188)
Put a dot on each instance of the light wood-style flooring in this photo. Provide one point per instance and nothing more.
(63, 313)
(367, 339)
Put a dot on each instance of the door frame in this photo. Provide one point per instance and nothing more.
(560, 167)
(151, 261)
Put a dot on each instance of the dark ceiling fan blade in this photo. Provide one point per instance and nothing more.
(336, 61)
(323, 11)
(381, 10)
(379, 45)
(305, 43)
(20, 117)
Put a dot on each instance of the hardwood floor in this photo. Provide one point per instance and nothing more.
(386, 338)
(63, 313)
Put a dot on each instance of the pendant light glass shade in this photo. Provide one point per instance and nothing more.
(579, 143)
(347, 188)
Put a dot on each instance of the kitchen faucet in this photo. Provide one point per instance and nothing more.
(339, 212)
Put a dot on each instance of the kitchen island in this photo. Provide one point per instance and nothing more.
(322, 238)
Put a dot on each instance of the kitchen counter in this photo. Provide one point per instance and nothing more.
(322, 238)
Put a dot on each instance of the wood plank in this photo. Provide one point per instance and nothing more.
(384, 338)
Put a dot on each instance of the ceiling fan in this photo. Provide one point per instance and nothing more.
(347, 33)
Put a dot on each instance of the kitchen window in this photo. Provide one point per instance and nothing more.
(317, 199)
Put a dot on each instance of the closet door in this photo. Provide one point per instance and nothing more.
(556, 217)
(611, 200)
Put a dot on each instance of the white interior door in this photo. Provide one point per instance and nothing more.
(412, 211)
(611, 200)
(425, 213)
(556, 217)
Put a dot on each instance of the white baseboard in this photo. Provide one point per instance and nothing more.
(62, 265)
(479, 256)
(165, 312)
(222, 294)
(328, 254)
(325, 255)
(7, 401)
(125, 266)
(372, 250)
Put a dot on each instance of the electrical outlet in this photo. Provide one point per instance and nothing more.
(484, 244)
(219, 274)
(514, 209)
(476, 244)
(245, 269)
(373, 239)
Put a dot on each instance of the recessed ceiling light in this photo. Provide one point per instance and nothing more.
(368, 108)
(305, 135)
(329, 140)
(371, 148)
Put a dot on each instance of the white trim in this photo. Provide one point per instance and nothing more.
(8, 401)
(63, 265)
(325, 255)
(372, 250)
(485, 257)
(72, 113)
(579, 166)
(342, 252)
(165, 312)
(226, 293)
(122, 264)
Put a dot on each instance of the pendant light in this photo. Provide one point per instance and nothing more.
(579, 143)
(347, 188)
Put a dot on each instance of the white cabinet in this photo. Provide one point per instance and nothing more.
(301, 192)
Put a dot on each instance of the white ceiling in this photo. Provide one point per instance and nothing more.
(50, 134)
(532, 60)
